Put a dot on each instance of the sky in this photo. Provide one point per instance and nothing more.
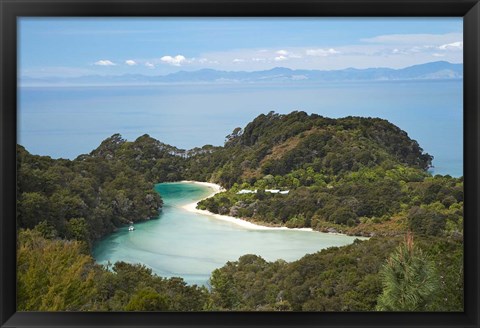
(70, 47)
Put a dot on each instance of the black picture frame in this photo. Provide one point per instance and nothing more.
(11, 9)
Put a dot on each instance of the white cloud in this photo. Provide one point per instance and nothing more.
(411, 49)
(175, 61)
(452, 46)
(130, 62)
(284, 55)
(321, 52)
(104, 62)
(149, 65)
(295, 56)
(201, 60)
(414, 39)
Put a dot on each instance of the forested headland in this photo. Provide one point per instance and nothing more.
(360, 176)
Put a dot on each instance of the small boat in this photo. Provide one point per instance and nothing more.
(131, 228)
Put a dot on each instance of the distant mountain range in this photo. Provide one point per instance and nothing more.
(439, 70)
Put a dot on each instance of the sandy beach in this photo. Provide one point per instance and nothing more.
(192, 207)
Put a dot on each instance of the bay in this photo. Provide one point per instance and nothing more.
(191, 245)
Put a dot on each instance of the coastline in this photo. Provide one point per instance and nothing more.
(192, 207)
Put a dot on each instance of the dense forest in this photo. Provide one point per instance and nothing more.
(354, 175)
(83, 199)
(360, 176)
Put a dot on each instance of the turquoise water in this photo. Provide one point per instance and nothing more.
(190, 245)
(69, 121)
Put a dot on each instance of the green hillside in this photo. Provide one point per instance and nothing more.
(360, 176)
(275, 144)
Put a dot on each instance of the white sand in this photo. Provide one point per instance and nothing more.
(192, 207)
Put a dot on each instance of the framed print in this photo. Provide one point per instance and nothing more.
(223, 163)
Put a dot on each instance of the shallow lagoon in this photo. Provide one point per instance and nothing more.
(191, 245)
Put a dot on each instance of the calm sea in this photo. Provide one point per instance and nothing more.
(69, 121)
(190, 245)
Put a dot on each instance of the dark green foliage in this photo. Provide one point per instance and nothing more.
(58, 275)
(337, 279)
(278, 144)
(77, 229)
(350, 172)
(246, 285)
(425, 221)
(82, 199)
(147, 299)
(410, 280)
(444, 189)
(135, 288)
(357, 202)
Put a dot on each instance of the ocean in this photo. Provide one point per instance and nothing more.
(69, 121)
